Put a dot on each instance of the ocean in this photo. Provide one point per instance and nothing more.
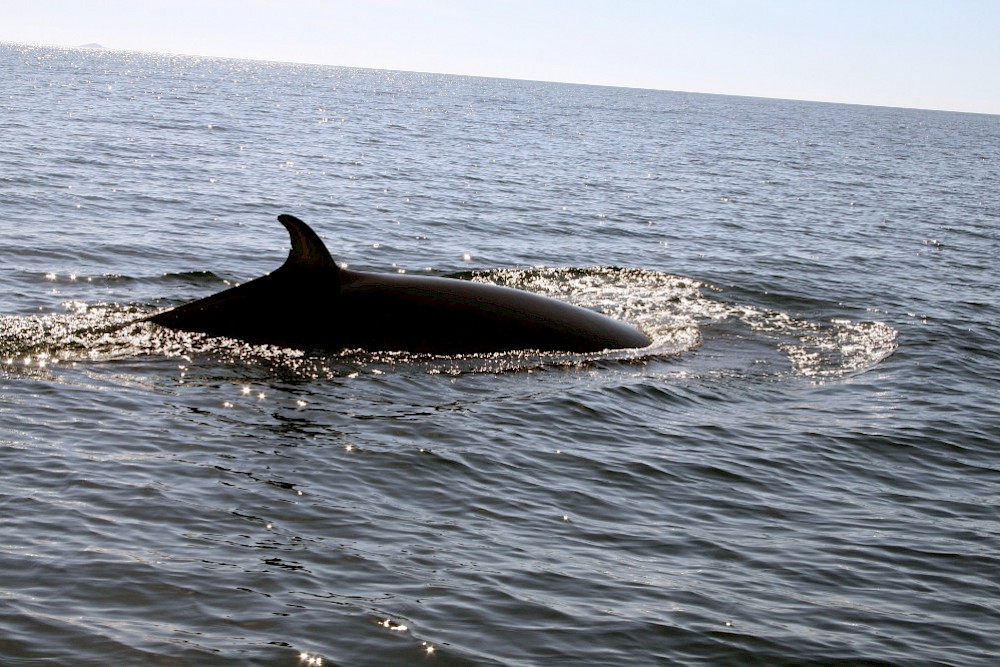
(803, 468)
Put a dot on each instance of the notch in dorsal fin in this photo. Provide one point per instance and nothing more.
(308, 250)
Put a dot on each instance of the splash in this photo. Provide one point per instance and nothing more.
(677, 313)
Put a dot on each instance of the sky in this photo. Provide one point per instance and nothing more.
(930, 54)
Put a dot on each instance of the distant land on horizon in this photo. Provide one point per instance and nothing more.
(92, 45)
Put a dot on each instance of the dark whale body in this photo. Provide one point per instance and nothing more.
(310, 303)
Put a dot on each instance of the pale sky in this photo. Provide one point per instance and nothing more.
(933, 54)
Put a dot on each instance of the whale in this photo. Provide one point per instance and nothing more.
(311, 303)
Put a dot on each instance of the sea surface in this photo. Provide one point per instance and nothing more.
(803, 468)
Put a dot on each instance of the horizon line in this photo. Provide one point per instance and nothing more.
(95, 47)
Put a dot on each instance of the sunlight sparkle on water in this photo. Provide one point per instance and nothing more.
(395, 627)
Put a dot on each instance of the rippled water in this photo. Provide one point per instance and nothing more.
(802, 468)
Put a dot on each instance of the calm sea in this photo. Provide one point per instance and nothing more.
(803, 468)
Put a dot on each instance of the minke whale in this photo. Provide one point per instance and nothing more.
(311, 303)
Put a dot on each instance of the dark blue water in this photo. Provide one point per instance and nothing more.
(804, 467)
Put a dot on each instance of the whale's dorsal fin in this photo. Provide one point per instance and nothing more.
(308, 250)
